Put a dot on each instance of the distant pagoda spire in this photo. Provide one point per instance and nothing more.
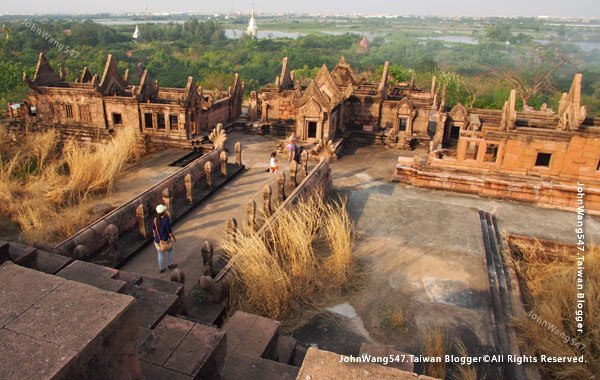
(252, 29)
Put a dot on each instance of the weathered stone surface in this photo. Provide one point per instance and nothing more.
(382, 351)
(155, 372)
(185, 347)
(325, 365)
(286, 348)
(92, 274)
(162, 285)
(153, 305)
(16, 280)
(251, 336)
(57, 335)
(51, 263)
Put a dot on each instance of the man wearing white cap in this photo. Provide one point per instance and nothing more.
(163, 237)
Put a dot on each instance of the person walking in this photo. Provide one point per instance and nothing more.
(274, 164)
(163, 238)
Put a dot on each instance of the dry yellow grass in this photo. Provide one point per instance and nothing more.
(550, 282)
(287, 266)
(38, 186)
(435, 346)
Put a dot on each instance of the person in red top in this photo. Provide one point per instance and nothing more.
(163, 238)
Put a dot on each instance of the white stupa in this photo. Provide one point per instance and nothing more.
(136, 34)
(252, 29)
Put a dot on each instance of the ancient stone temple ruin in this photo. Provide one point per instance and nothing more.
(533, 155)
(94, 106)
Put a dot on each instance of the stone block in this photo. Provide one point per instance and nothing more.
(405, 363)
(155, 372)
(69, 331)
(251, 336)
(162, 285)
(286, 348)
(94, 275)
(51, 263)
(153, 305)
(186, 347)
(321, 365)
(16, 280)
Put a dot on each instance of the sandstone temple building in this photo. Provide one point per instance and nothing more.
(537, 156)
(94, 106)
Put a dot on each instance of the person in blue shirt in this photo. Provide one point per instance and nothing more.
(163, 237)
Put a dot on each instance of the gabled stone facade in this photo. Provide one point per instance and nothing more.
(92, 107)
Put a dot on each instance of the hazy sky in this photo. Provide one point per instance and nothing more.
(584, 8)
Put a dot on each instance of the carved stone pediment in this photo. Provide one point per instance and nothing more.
(112, 82)
(459, 113)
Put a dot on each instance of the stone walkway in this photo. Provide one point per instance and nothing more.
(207, 221)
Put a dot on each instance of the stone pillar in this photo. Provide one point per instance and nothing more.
(304, 156)
(166, 196)
(111, 234)
(141, 218)
(231, 229)
(281, 187)
(251, 216)
(207, 258)
(293, 174)
(208, 172)
(188, 188)
(238, 153)
(267, 201)
(223, 157)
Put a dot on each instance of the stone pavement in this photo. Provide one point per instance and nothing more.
(207, 221)
(422, 252)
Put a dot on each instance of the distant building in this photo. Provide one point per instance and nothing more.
(93, 106)
(364, 43)
(252, 29)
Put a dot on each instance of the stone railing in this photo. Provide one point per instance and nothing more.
(318, 180)
(121, 233)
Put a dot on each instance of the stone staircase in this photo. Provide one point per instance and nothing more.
(179, 338)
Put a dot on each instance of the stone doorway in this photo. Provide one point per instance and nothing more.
(311, 127)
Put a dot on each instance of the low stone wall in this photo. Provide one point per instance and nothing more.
(539, 192)
(318, 179)
(119, 234)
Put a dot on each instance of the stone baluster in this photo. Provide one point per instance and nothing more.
(304, 156)
(189, 193)
(238, 153)
(111, 234)
(167, 198)
(207, 258)
(231, 229)
(141, 218)
(251, 216)
(293, 174)
(267, 201)
(80, 252)
(223, 157)
(208, 172)
(281, 187)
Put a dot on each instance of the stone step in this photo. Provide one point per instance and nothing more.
(286, 348)
(94, 275)
(251, 336)
(186, 348)
(203, 312)
(18, 254)
(240, 368)
(153, 305)
(162, 285)
(404, 363)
